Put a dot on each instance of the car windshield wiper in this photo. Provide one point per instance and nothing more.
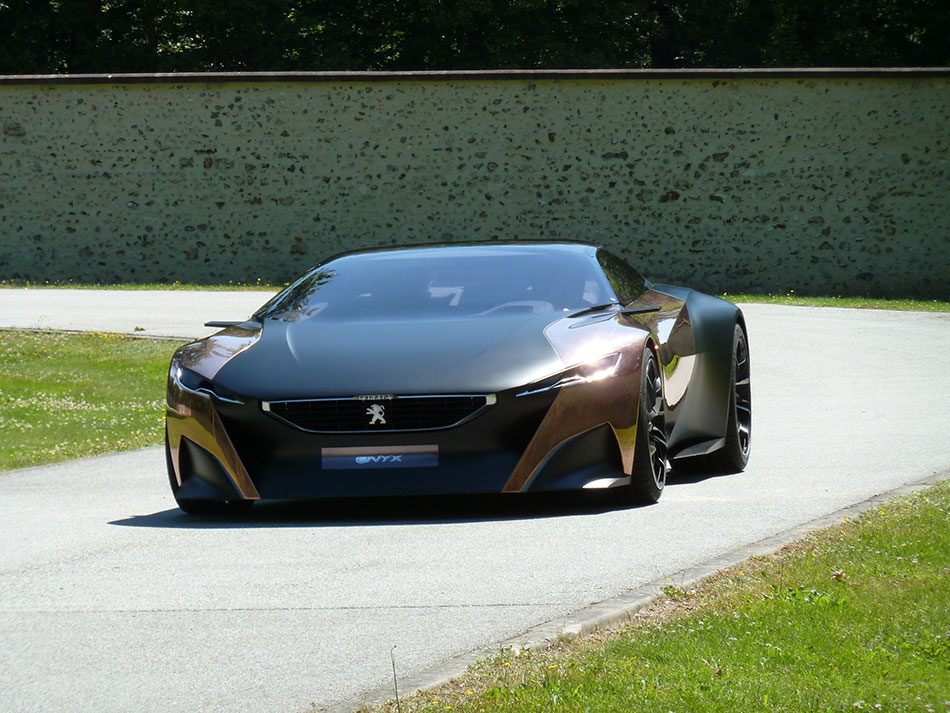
(592, 308)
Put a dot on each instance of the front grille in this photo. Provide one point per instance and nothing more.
(400, 413)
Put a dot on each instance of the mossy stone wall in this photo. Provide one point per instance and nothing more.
(823, 184)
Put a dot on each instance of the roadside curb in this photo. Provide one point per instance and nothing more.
(621, 608)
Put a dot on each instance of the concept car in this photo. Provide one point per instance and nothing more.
(466, 368)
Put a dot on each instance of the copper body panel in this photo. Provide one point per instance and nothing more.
(581, 408)
(207, 356)
(191, 414)
(613, 401)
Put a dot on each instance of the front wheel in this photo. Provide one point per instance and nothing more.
(648, 477)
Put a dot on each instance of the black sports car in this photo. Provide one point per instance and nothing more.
(467, 368)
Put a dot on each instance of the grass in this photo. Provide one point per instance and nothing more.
(791, 298)
(855, 617)
(65, 396)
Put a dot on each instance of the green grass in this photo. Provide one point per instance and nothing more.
(856, 617)
(855, 302)
(65, 396)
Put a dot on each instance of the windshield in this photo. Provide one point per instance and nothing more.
(443, 283)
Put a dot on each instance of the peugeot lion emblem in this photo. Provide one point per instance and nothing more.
(378, 413)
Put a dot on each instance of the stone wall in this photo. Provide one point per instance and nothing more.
(818, 182)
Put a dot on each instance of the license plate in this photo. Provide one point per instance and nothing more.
(367, 458)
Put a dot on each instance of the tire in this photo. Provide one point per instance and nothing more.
(734, 455)
(650, 457)
(202, 507)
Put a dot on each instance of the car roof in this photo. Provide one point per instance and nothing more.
(474, 247)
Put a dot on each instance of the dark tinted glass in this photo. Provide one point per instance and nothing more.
(628, 284)
(440, 283)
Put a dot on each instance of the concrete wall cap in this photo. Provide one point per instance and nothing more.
(478, 74)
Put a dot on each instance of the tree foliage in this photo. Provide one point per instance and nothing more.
(79, 36)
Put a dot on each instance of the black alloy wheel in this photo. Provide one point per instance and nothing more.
(742, 400)
(734, 454)
(650, 457)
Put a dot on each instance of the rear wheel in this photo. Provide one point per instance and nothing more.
(649, 464)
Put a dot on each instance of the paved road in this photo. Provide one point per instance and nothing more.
(178, 313)
(111, 600)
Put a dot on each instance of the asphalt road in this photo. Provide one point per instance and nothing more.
(112, 600)
(178, 313)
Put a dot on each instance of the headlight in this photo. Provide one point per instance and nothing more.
(592, 371)
(189, 379)
(600, 369)
(193, 381)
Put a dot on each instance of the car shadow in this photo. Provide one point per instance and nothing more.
(362, 512)
(675, 478)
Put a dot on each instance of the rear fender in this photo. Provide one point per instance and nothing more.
(701, 424)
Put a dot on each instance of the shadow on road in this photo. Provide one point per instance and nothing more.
(687, 478)
(410, 510)
(361, 512)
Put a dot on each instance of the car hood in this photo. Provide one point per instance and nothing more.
(345, 358)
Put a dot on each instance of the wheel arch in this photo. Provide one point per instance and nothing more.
(626, 437)
(702, 424)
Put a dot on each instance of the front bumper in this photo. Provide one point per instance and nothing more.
(565, 439)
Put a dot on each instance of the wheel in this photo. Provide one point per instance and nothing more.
(202, 507)
(649, 463)
(734, 454)
(739, 434)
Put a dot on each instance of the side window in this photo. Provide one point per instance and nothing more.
(627, 283)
